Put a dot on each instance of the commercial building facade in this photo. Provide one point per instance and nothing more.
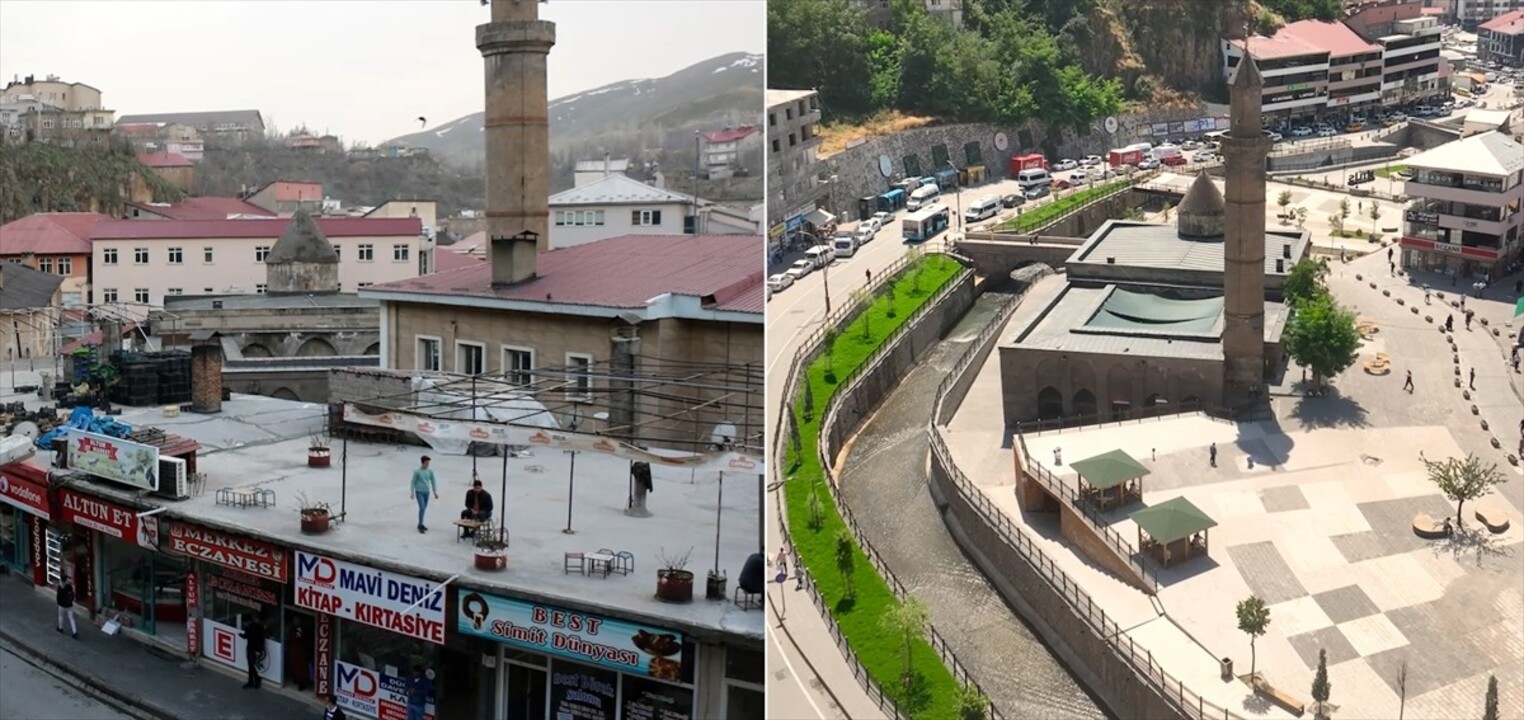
(1466, 217)
(793, 140)
(1501, 39)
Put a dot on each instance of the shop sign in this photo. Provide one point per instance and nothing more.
(776, 231)
(1290, 97)
(373, 597)
(614, 644)
(39, 554)
(225, 644)
(1421, 217)
(373, 694)
(324, 656)
(192, 623)
(582, 693)
(242, 554)
(24, 492)
(250, 590)
(109, 518)
(1449, 248)
(794, 223)
(114, 459)
(644, 699)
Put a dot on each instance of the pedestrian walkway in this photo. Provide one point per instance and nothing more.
(128, 672)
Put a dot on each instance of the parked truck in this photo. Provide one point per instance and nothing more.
(1027, 162)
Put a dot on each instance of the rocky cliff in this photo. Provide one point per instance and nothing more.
(1162, 50)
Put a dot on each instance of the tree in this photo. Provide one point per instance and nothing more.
(1337, 223)
(972, 704)
(1253, 619)
(1375, 215)
(821, 44)
(817, 510)
(907, 620)
(828, 343)
(1305, 282)
(1490, 712)
(808, 401)
(1462, 480)
(1344, 211)
(1320, 686)
(1322, 336)
(863, 300)
(1301, 217)
(1283, 200)
(846, 561)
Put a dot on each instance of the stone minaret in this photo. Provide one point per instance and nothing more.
(515, 46)
(302, 260)
(1243, 277)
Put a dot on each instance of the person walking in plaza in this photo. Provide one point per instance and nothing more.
(423, 486)
(1471, 382)
(478, 505)
(254, 650)
(65, 599)
(418, 691)
(1408, 383)
(1212, 454)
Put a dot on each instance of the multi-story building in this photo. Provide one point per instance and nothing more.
(723, 150)
(1501, 39)
(1411, 65)
(792, 142)
(197, 208)
(164, 137)
(618, 205)
(285, 197)
(591, 171)
(176, 169)
(57, 243)
(54, 111)
(138, 262)
(66, 96)
(1466, 216)
(880, 12)
(1312, 69)
(29, 300)
(1472, 13)
(219, 125)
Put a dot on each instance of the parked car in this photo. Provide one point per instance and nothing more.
(1205, 156)
(1148, 164)
(1354, 127)
(882, 217)
(1173, 160)
(1091, 160)
(1038, 191)
(1327, 132)
(1079, 178)
(874, 223)
(1065, 164)
(1099, 173)
(1276, 137)
(780, 282)
(1190, 145)
(1012, 200)
(800, 269)
(865, 233)
(1061, 184)
(1301, 131)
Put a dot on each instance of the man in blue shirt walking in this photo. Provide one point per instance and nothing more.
(418, 691)
(423, 486)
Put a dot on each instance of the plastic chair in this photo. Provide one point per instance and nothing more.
(575, 561)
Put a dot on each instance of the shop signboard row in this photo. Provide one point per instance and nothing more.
(1449, 248)
(109, 518)
(373, 693)
(590, 639)
(114, 459)
(25, 487)
(225, 644)
(254, 557)
(397, 603)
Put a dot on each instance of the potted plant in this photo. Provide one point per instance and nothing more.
(318, 454)
(491, 549)
(674, 582)
(316, 516)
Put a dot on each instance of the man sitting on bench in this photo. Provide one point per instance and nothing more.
(478, 505)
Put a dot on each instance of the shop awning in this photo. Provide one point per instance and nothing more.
(1172, 520)
(818, 217)
(1109, 469)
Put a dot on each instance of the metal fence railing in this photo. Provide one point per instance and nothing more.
(950, 394)
(808, 349)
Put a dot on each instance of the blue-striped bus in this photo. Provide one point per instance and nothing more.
(926, 223)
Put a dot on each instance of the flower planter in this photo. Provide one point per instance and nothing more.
(318, 457)
(491, 560)
(674, 586)
(315, 522)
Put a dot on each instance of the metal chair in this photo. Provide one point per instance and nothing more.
(624, 562)
(575, 561)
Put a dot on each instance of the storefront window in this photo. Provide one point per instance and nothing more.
(232, 597)
(12, 537)
(386, 652)
(646, 699)
(744, 679)
(582, 692)
(127, 578)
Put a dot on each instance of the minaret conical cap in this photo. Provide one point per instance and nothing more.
(1203, 211)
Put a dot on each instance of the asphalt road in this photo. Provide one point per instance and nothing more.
(27, 693)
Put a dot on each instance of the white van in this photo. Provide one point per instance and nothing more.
(843, 246)
(820, 255)
(922, 196)
(1033, 177)
(1164, 152)
(981, 209)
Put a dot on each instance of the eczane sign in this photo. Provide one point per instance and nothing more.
(374, 597)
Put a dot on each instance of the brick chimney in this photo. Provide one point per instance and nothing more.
(515, 46)
(206, 376)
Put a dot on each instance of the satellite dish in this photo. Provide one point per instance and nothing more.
(1111, 125)
(885, 165)
(1001, 141)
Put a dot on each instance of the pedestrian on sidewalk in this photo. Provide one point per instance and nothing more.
(1450, 323)
(66, 607)
(1388, 253)
(868, 276)
(423, 485)
(1472, 380)
(333, 711)
(254, 649)
(1408, 383)
(1212, 454)
(1468, 321)
(419, 689)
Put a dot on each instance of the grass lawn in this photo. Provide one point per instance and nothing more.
(1382, 172)
(1044, 214)
(933, 692)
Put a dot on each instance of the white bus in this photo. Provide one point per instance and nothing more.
(926, 223)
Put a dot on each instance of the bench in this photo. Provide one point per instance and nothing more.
(1290, 703)
(1379, 365)
(1495, 521)
(464, 526)
(1429, 528)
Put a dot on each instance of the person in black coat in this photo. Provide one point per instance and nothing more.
(478, 504)
(254, 648)
(65, 599)
(333, 711)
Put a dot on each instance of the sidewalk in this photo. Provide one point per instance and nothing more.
(128, 672)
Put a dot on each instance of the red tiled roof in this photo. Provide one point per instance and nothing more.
(272, 228)
(1431, 11)
(205, 208)
(1280, 46)
(621, 272)
(135, 128)
(1335, 37)
(732, 135)
(447, 258)
(164, 160)
(49, 234)
(1509, 23)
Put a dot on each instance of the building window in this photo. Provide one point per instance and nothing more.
(140, 296)
(470, 358)
(776, 147)
(367, 252)
(261, 288)
(744, 681)
(772, 119)
(579, 367)
(792, 140)
(206, 255)
(108, 295)
(364, 285)
(108, 256)
(65, 266)
(261, 252)
(337, 253)
(175, 291)
(45, 265)
(140, 256)
(517, 364)
(645, 218)
(428, 354)
(176, 256)
(47, 123)
(400, 253)
(208, 291)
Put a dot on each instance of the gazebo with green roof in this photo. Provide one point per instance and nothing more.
(1170, 523)
(1110, 478)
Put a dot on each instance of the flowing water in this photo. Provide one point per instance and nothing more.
(884, 482)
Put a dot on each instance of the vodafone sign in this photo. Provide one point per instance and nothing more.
(25, 487)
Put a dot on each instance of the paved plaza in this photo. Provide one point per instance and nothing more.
(1320, 525)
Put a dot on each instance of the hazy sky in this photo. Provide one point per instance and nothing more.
(361, 69)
